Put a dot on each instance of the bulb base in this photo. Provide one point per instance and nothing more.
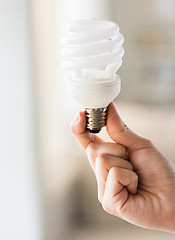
(95, 119)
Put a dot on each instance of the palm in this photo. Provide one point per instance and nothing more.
(155, 188)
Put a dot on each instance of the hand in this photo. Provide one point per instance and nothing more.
(135, 181)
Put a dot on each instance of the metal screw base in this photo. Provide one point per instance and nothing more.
(95, 119)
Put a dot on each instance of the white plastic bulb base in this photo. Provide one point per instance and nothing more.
(94, 96)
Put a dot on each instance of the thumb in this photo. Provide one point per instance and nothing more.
(121, 134)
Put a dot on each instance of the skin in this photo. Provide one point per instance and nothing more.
(135, 181)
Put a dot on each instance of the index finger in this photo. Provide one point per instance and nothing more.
(82, 135)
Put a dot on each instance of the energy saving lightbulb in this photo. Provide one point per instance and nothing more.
(93, 53)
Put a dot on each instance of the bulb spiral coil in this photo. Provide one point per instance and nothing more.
(93, 44)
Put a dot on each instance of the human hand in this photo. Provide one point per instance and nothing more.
(135, 181)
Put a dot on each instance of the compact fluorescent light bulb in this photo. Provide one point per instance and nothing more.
(93, 53)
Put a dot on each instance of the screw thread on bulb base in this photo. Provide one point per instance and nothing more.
(95, 119)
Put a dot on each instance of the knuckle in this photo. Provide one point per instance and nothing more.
(102, 159)
(108, 205)
(91, 148)
(134, 177)
(130, 166)
(148, 142)
(114, 171)
(122, 152)
(102, 156)
(122, 149)
(105, 206)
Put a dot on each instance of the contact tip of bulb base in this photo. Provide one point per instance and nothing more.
(94, 131)
(95, 119)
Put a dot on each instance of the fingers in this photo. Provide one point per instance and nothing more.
(103, 164)
(116, 129)
(121, 134)
(103, 157)
(78, 128)
(120, 182)
(96, 148)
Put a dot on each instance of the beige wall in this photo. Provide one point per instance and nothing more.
(65, 170)
(20, 199)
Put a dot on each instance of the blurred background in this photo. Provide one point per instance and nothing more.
(48, 190)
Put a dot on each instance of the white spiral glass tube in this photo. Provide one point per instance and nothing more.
(93, 53)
